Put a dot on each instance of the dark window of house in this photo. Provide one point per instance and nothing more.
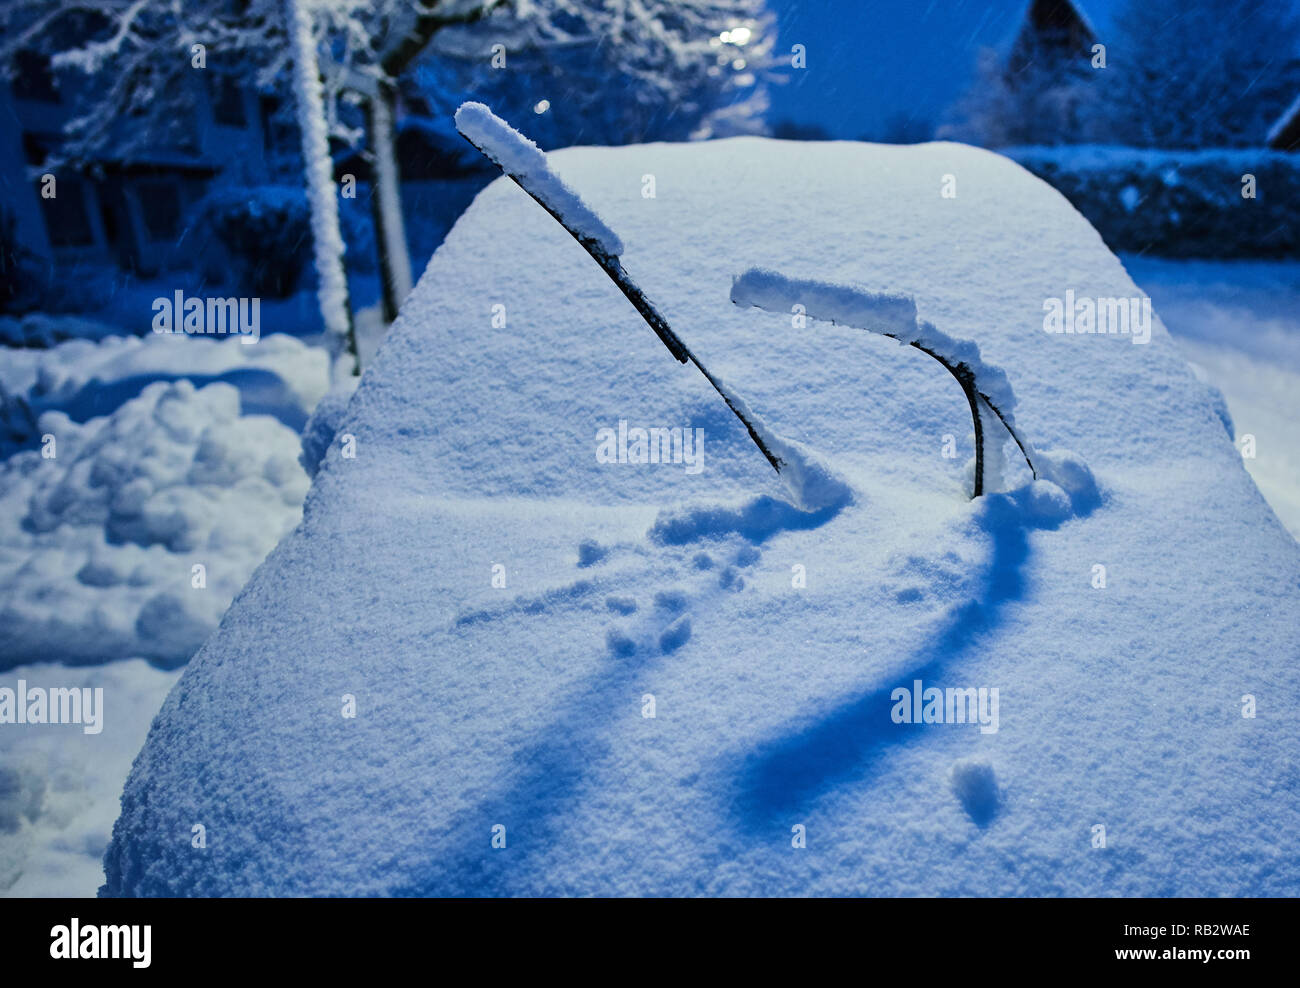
(160, 205)
(108, 217)
(268, 107)
(36, 147)
(66, 221)
(228, 102)
(34, 79)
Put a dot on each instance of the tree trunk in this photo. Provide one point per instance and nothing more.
(322, 197)
(386, 201)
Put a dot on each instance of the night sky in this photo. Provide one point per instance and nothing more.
(870, 61)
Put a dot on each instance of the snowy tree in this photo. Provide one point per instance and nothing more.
(140, 58)
(683, 70)
(1200, 73)
(327, 237)
(144, 63)
(690, 67)
(373, 45)
(1178, 74)
(1042, 100)
(142, 85)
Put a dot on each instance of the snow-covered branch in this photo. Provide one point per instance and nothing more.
(91, 57)
(332, 286)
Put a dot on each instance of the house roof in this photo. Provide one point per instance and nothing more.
(1096, 27)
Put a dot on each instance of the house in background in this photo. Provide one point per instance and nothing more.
(1033, 86)
(1050, 30)
(438, 170)
(133, 211)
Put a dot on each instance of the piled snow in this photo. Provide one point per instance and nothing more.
(99, 542)
(321, 427)
(60, 787)
(278, 376)
(525, 161)
(76, 582)
(643, 678)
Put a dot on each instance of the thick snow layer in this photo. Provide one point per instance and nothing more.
(99, 542)
(521, 158)
(279, 375)
(663, 677)
(60, 787)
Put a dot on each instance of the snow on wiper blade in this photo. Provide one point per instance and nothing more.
(525, 163)
(894, 314)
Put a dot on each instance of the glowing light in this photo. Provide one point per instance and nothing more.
(738, 35)
(542, 106)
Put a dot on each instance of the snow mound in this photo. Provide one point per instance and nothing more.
(60, 788)
(279, 375)
(100, 541)
(640, 675)
(323, 424)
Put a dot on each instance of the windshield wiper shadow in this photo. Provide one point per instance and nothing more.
(786, 773)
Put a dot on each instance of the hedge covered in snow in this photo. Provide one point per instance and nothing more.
(1178, 203)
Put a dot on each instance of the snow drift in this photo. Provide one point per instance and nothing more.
(132, 539)
(491, 662)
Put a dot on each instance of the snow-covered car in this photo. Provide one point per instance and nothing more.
(509, 651)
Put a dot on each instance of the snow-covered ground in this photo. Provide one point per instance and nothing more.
(168, 453)
(89, 378)
(60, 787)
(1239, 323)
(490, 661)
(133, 539)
